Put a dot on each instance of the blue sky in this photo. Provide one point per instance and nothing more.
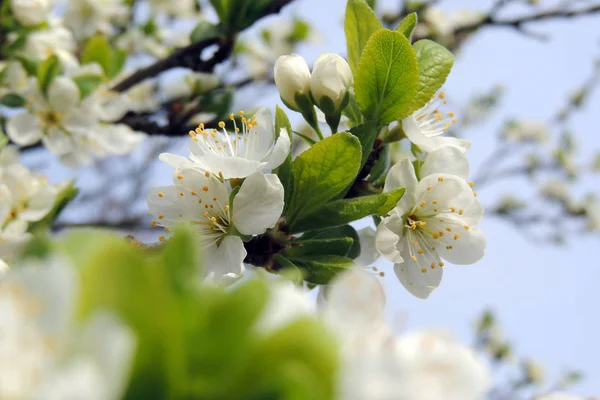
(545, 296)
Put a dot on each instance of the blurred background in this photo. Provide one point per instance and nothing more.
(525, 94)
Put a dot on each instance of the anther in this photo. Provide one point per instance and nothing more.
(221, 124)
(205, 188)
(441, 179)
(207, 174)
(456, 236)
(423, 270)
(414, 258)
(161, 216)
(423, 203)
(180, 177)
(161, 194)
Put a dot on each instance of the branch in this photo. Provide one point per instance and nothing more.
(189, 56)
(518, 22)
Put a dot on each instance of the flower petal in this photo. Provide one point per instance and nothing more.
(402, 174)
(447, 160)
(63, 94)
(175, 160)
(225, 263)
(388, 238)
(58, 142)
(262, 136)
(279, 153)
(24, 129)
(368, 250)
(410, 273)
(259, 204)
(468, 248)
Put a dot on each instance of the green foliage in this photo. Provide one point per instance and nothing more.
(98, 50)
(204, 30)
(87, 84)
(340, 246)
(237, 15)
(366, 133)
(344, 211)
(29, 65)
(344, 231)
(47, 71)
(284, 171)
(435, 63)
(63, 198)
(387, 77)
(321, 269)
(3, 140)
(12, 100)
(352, 110)
(322, 172)
(359, 24)
(408, 25)
(198, 341)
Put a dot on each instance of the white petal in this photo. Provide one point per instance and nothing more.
(402, 174)
(207, 187)
(368, 250)
(279, 152)
(286, 304)
(430, 143)
(262, 136)
(225, 262)
(447, 160)
(167, 202)
(63, 94)
(23, 129)
(230, 167)
(118, 138)
(388, 238)
(444, 192)
(58, 142)
(40, 204)
(174, 160)
(420, 284)
(259, 204)
(355, 305)
(5, 203)
(467, 249)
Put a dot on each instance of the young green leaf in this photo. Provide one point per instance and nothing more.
(3, 140)
(435, 63)
(322, 172)
(87, 84)
(366, 133)
(47, 71)
(352, 110)
(98, 50)
(387, 77)
(344, 211)
(359, 24)
(64, 197)
(321, 269)
(12, 100)
(408, 25)
(335, 246)
(204, 30)
(344, 231)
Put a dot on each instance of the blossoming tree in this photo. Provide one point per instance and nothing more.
(261, 209)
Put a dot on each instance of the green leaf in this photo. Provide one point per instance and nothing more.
(3, 140)
(335, 233)
(47, 71)
(381, 166)
(408, 25)
(284, 171)
(64, 197)
(237, 15)
(288, 270)
(204, 30)
(344, 211)
(435, 63)
(322, 172)
(334, 246)
(12, 100)
(366, 133)
(98, 50)
(29, 64)
(87, 84)
(359, 24)
(181, 259)
(387, 77)
(352, 110)
(321, 269)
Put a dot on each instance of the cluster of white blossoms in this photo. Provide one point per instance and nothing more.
(375, 364)
(207, 193)
(25, 198)
(44, 354)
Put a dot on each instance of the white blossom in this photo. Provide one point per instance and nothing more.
(141, 97)
(14, 78)
(86, 18)
(43, 354)
(67, 126)
(526, 131)
(249, 149)
(30, 12)
(425, 126)
(435, 219)
(331, 78)
(292, 76)
(202, 200)
(54, 40)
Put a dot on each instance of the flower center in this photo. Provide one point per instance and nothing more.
(51, 118)
(431, 121)
(238, 143)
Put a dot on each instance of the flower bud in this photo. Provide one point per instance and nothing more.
(331, 78)
(30, 12)
(292, 76)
